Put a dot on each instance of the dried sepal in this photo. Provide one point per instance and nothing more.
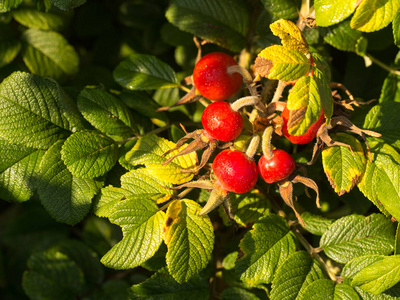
(286, 191)
(190, 97)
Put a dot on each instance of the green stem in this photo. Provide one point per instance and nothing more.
(382, 65)
(184, 88)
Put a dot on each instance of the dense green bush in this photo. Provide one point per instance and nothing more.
(100, 203)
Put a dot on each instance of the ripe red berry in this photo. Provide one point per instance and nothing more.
(211, 78)
(235, 171)
(305, 138)
(221, 122)
(277, 168)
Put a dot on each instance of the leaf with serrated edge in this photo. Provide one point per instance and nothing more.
(373, 15)
(304, 105)
(190, 239)
(149, 151)
(163, 286)
(142, 228)
(379, 276)
(22, 117)
(67, 4)
(34, 18)
(322, 76)
(295, 274)
(8, 51)
(19, 167)
(396, 29)
(9, 5)
(329, 12)
(343, 166)
(281, 63)
(105, 112)
(290, 35)
(265, 248)
(319, 289)
(66, 198)
(315, 224)
(237, 293)
(391, 88)
(88, 154)
(356, 235)
(144, 72)
(223, 22)
(343, 37)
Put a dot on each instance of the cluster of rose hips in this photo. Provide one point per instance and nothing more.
(216, 77)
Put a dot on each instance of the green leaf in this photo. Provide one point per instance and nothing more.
(223, 22)
(7, 5)
(237, 293)
(142, 228)
(48, 53)
(329, 12)
(19, 168)
(304, 105)
(322, 76)
(343, 37)
(265, 248)
(23, 119)
(356, 235)
(112, 290)
(326, 289)
(106, 112)
(383, 118)
(67, 4)
(373, 15)
(52, 275)
(190, 239)
(390, 89)
(149, 151)
(379, 276)
(281, 63)
(144, 72)
(88, 154)
(396, 29)
(282, 9)
(378, 183)
(294, 275)
(315, 224)
(163, 286)
(66, 198)
(346, 292)
(344, 166)
(9, 46)
(34, 18)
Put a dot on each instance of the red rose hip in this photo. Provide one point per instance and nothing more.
(305, 138)
(221, 122)
(211, 78)
(235, 171)
(276, 168)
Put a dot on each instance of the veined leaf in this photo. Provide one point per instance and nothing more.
(48, 53)
(106, 112)
(379, 276)
(67, 4)
(290, 34)
(343, 166)
(265, 248)
(295, 274)
(190, 239)
(326, 289)
(163, 286)
(8, 5)
(89, 154)
(33, 18)
(142, 227)
(223, 22)
(8, 51)
(144, 72)
(343, 37)
(355, 265)
(282, 9)
(304, 105)
(19, 168)
(329, 12)
(373, 15)
(52, 275)
(23, 119)
(235, 293)
(322, 76)
(356, 235)
(391, 89)
(148, 151)
(315, 224)
(396, 29)
(66, 198)
(384, 118)
(278, 62)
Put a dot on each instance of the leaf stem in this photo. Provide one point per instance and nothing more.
(382, 65)
(184, 88)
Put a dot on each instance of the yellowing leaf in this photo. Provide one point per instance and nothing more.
(290, 35)
(344, 166)
(373, 15)
(281, 63)
(149, 150)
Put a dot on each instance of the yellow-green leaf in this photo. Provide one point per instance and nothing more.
(329, 12)
(290, 35)
(304, 105)
(344, 166)
(281, 63)
(373, 15)
(149, 151)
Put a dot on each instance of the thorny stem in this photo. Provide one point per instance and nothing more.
(253, 146)
(266, 141)
(382, 65)
(278, 92)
